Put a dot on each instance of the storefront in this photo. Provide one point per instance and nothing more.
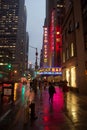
(50, 74)
(70, 75)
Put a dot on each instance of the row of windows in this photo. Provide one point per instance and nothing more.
(8, 33)
(8, 6)
(70, 29)
(11, 16)
(9, 29)
(5, 58)
(3, 22)
(12, 12)
(8, 46)
(84, 15)
(3, 25)
(8, 42)
(68, 53)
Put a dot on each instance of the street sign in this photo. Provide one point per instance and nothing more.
(7, 91)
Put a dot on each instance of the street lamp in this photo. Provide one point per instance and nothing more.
(36, 65)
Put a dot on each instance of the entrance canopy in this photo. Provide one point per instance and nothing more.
(50, 71)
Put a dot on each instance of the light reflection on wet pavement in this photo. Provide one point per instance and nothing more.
(67, 112)
(51, 115)
(63, 114)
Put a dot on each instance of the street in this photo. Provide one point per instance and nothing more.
(65, 113)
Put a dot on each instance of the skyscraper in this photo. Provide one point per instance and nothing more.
(52, 26)
(12, 34)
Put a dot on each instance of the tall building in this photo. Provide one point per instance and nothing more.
(54, 19)
(52, 40)
(74, 34)
(13, 35)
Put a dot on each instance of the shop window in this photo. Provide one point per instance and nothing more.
(73, 77)
(68, 76)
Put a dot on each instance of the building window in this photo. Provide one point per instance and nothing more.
(68, 76)
(67, 53)
(72, 49)
(84, 15)
(73, 77)
(71, 27)
(63, 57)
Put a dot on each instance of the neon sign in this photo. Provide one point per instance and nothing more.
(50, 71)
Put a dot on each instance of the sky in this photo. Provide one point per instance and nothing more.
(35, 22)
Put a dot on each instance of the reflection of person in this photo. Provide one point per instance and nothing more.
(40, 87)
(63, 85)
(32, 104)
(51, 91)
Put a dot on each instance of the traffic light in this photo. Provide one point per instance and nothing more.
(9, 66)
(1, 75)
(24, 75)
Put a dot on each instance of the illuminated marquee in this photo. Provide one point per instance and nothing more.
(50, 71)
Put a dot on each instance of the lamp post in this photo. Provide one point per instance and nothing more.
(36, 54)
(36, 65)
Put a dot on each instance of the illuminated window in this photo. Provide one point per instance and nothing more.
(73, 77)
(59, 5)
(72, 49)
(45, 60)
(68, 76)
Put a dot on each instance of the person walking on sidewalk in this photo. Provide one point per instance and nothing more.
(32, 103)
(51, 91)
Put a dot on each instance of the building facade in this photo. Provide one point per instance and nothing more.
(74, 36)
(13, 41)
(52, 40)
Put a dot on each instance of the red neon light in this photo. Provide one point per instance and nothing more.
(7, 85)
(58, 38)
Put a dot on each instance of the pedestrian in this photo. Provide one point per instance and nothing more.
(35, 85)
(51, 91)
(32, 105)
(65, 87)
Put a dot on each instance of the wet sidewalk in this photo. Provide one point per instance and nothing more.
(63, 114)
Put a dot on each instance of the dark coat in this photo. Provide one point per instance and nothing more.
(51, 90)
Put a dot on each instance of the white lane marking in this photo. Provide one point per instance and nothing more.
(1, 118)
